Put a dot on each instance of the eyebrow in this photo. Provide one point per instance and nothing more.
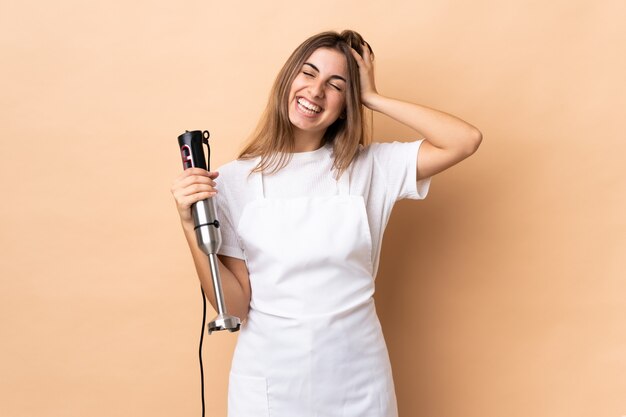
(332, 76)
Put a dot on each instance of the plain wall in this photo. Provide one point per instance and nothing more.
(501, 294)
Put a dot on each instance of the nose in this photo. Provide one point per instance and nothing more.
(316, 88)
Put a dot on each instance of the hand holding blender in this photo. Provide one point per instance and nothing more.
(206, 225)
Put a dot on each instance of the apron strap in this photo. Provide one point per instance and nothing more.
(260, 189)
(343, 184)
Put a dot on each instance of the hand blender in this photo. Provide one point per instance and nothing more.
(206, 225)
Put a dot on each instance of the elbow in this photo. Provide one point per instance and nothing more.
(472, 143)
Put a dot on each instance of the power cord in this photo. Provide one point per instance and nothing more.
(200, 349)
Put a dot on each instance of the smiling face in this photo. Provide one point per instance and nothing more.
(318, 93)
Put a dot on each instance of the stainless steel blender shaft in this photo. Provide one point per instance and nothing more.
(210, 239)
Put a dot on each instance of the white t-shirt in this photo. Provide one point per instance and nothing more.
(382, 174)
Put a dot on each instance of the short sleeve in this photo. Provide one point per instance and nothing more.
(398, 163)
(230, 241)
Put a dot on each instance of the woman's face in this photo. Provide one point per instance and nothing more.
(318, 93)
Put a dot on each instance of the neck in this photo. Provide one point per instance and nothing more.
(307, 141)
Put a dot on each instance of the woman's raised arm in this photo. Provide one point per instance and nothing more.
(448, 139)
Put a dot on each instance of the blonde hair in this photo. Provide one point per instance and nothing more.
(273, 138)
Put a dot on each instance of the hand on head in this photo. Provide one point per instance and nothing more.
(366, 73)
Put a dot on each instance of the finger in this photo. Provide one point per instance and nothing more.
(185, 182)
(195, 171)
(356, 55)
(369, 49)
(184, 194)
(368, 55)
(366, 50)
(196, 179)
(185, 203)
(200, 171)
(187, 179)
(364, 61)
(196, 189)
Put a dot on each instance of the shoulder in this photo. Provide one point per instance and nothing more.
(377, 148)
(235, 184)
(236, 170)
(387, 152)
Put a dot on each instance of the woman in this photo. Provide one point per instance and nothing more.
(303, 211)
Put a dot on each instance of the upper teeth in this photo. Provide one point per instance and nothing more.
(309, 105)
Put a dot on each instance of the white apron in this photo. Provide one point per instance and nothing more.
(312, 344)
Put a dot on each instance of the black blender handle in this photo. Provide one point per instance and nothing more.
(191, 151)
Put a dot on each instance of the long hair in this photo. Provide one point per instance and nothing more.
(273, 139)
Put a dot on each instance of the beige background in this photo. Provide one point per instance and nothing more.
(501, 294)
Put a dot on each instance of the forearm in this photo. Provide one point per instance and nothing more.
(235, 298)
(440, 129)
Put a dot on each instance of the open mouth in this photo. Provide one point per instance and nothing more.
(307, 107)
